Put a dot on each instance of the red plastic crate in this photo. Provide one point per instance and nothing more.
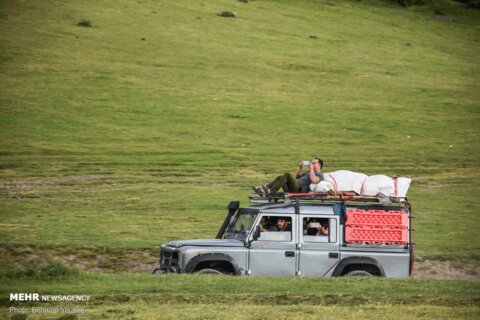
(376, 235)
(390, 218)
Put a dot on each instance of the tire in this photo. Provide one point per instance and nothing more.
(159, 271)
(358, 273)
(209, 271)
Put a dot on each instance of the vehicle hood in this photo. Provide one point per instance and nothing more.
(206, 243)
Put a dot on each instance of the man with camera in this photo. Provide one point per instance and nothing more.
(315, 227)
(298, 183)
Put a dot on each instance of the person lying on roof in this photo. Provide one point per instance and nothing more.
(298, 183)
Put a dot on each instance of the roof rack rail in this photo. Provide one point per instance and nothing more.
(323, 196)
(268, 198)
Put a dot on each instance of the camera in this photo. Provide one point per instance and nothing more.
(306, 163)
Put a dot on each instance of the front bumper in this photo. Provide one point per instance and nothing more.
(169, 260)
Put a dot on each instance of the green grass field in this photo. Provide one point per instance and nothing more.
(140, 129)
(211, 297)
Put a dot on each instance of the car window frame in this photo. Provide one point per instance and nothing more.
(292, 226)
(330, 220)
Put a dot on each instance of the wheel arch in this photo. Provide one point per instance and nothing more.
(357, 263)
(212, 257)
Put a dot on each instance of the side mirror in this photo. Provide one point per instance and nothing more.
(255, 236)
(256, 233)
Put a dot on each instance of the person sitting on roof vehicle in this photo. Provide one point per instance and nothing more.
(298, 183)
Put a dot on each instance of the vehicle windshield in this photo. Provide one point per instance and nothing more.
(241, 224)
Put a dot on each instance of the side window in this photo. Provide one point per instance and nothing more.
(319, 229)
(275, 228)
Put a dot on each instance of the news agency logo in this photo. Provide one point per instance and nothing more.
(24, 297)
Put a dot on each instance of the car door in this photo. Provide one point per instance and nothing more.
(318, 253)
(274, 253)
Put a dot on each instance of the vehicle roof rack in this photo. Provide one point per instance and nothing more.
(280, 197)
(268, 198)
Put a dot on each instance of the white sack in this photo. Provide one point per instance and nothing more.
(345, 180)
(402, 186)
(377, 185)
(322, 186)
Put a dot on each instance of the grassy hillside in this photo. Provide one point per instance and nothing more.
(141, 128)
(165, 111)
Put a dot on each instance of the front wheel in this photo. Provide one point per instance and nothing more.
(159, 271)
(209, 271)
(358, 273)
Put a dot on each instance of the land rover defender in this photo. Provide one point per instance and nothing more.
(313, 235)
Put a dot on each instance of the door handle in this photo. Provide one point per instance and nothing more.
(289, 253)
(333, 254)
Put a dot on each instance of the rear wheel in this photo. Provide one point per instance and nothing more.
(358, 273)
(209, 271)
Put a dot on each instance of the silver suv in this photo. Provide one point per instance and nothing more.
(305, 235)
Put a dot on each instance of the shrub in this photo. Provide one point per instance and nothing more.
(227, 14)
(408, 3)
(474, 4)
(56, 269)
(84, 23)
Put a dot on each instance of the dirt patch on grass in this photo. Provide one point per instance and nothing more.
(55, 179)
(116, 260)
(438, 186)
(16, 187)
(91, 259)
(434, 269)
